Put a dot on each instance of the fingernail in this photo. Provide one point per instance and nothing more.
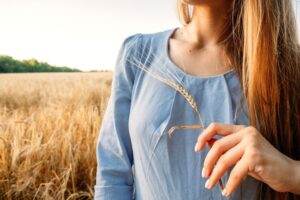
(224, 192)
(203, 173)
(196, 147)
(207, 184)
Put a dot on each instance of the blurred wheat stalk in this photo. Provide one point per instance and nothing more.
(48, 129)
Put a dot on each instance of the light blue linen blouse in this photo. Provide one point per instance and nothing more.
(136, 157)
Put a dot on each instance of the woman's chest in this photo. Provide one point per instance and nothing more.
(156, 107)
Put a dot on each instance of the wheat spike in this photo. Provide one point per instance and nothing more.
(183, 92)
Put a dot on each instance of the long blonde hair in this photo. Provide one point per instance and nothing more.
(262, 45)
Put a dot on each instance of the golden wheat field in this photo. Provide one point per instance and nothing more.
(49, 124)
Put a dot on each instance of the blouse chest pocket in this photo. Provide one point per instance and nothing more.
(156, 133)
(149, 116)
(145, 135)
(155, 140)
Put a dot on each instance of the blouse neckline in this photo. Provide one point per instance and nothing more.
(179, 69)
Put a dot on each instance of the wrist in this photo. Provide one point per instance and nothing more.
(296, 172)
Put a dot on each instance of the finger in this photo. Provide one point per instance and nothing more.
(218, 148)
(226, 161)
(238, 173)
(213, 129)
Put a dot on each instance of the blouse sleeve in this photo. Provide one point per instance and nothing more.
(114, 179)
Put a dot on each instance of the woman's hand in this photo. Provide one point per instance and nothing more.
(251, 154)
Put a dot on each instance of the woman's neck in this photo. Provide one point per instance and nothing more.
(208, 24)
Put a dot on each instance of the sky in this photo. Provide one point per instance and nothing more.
(82, 34)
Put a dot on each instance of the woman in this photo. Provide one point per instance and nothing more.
(238, 63)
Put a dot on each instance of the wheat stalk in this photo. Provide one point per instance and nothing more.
(183, 92)
(168, 82)
(188, 98)
(191, 102)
